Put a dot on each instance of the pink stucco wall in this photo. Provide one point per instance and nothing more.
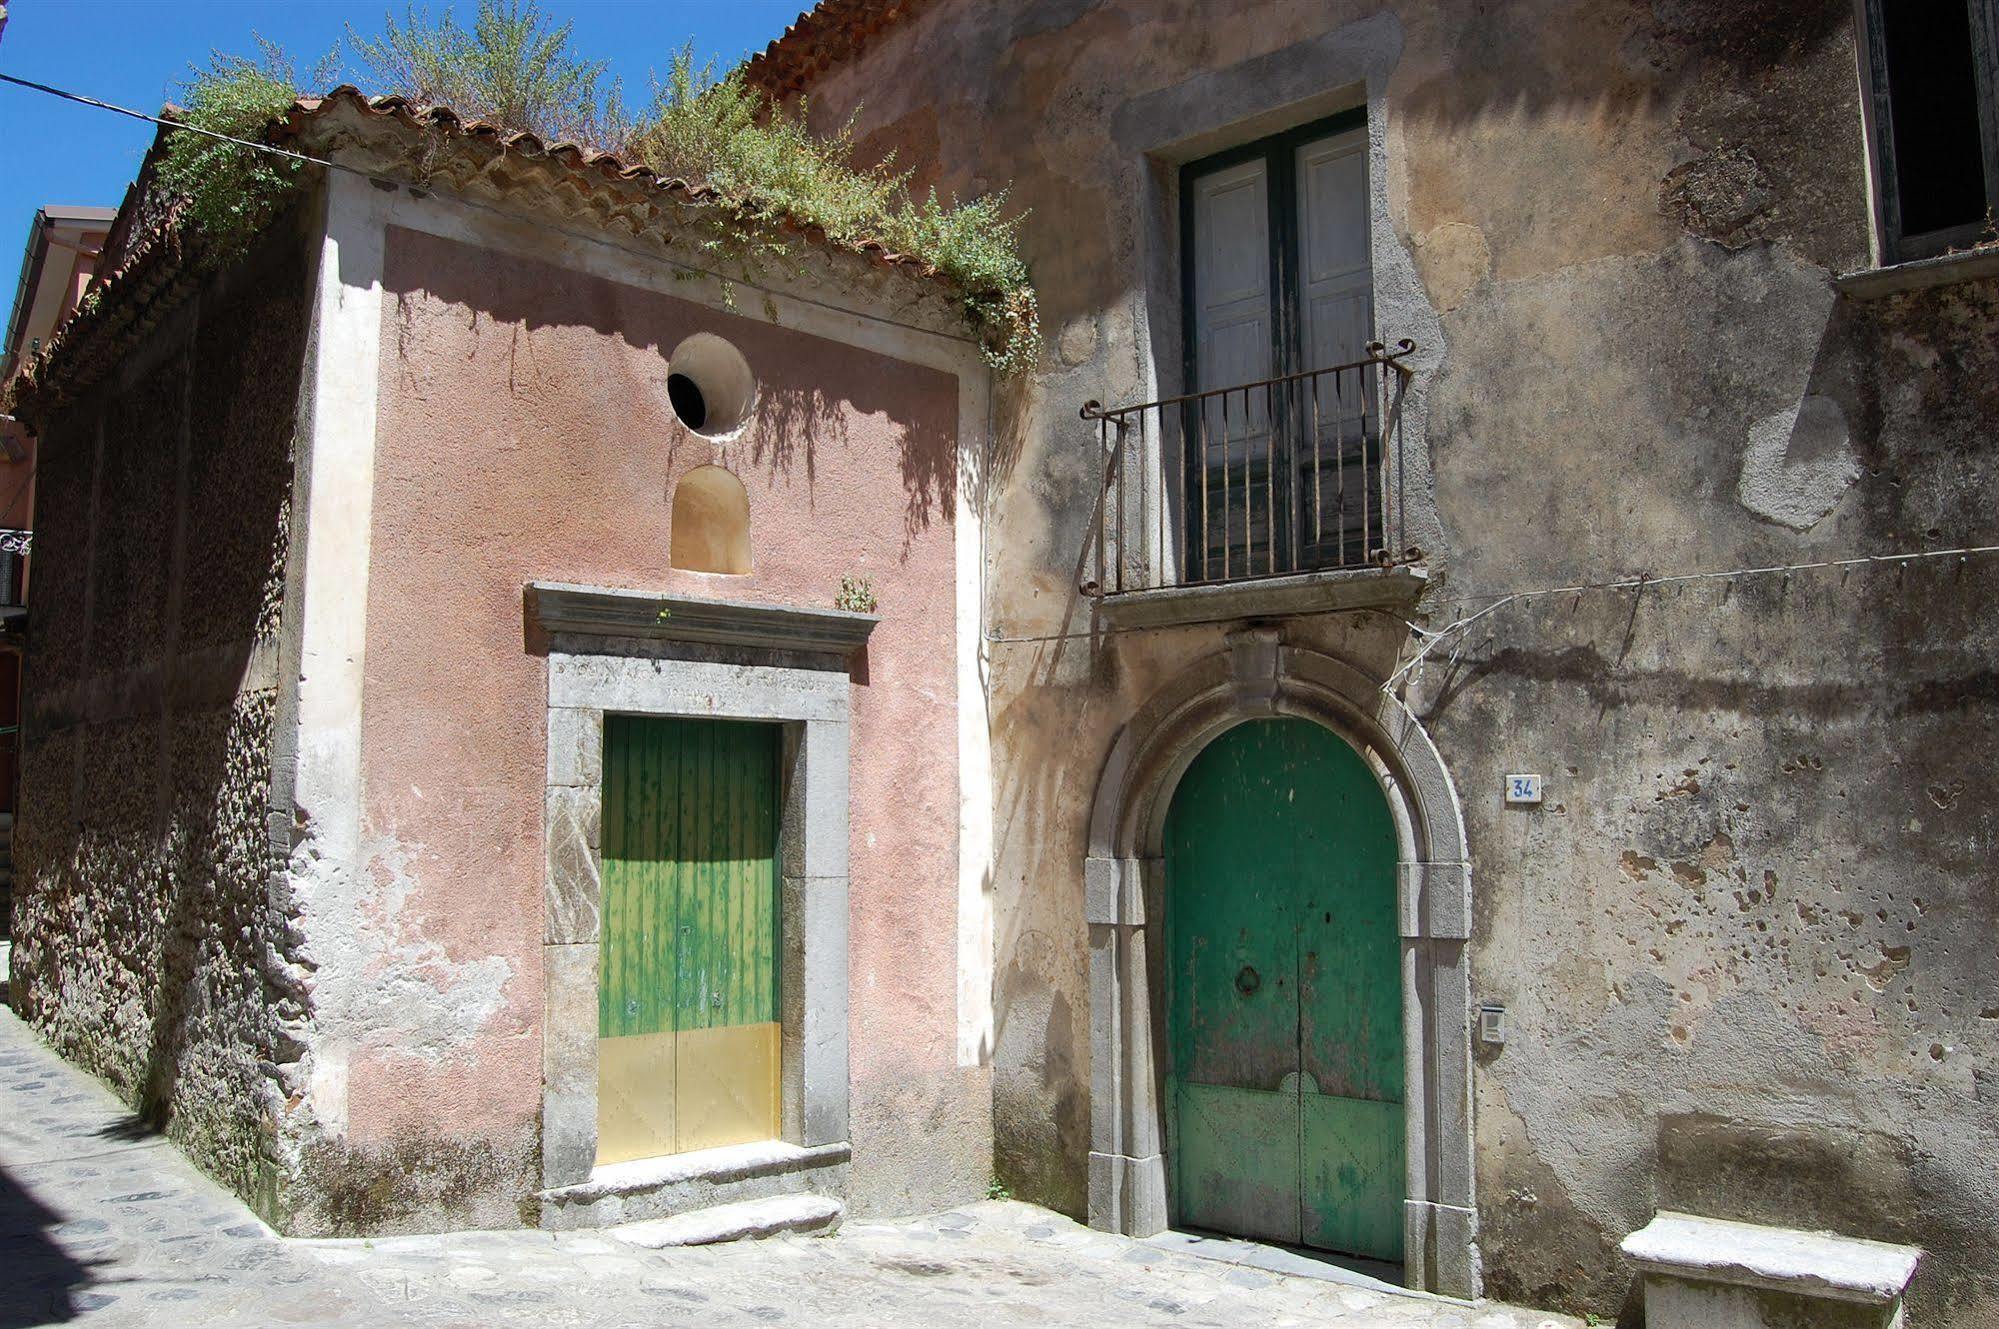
(524, 434)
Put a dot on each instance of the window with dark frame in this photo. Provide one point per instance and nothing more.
(1281, 454)
(1932, 69)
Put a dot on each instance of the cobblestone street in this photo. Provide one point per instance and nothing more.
(105, 1224)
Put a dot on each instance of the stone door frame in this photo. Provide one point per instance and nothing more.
(807, 693)
(1258, 676)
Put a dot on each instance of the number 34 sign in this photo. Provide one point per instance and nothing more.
(1523, 789)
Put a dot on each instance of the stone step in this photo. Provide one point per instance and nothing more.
(746, 1220)
(657, 1188)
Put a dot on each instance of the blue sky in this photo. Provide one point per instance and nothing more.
(134, 52)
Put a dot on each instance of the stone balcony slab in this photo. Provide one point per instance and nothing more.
(1267, 597)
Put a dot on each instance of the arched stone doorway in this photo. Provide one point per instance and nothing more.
(1259, 676)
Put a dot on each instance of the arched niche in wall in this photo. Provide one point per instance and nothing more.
(711, 522)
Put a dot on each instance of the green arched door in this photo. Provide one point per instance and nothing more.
(1284, 993)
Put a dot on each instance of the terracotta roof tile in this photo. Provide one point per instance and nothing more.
(579, 160)
(150, 263)
(830, 33)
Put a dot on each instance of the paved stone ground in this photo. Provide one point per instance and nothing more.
(104, 1224)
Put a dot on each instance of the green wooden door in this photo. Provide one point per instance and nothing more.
(687, 1006)
(1284, 994)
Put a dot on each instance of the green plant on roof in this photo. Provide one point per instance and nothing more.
(517, 68)
(227, 192)
(768, 166)
(514, 67)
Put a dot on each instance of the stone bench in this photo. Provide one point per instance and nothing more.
(1708, 1273)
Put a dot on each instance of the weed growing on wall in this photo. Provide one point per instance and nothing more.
(516, 68)
(856, 596)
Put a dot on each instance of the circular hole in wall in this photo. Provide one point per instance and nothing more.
(709, 385)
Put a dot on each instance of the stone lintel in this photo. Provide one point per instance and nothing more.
(558, 607)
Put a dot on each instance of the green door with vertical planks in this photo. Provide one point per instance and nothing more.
(687, 1004)
(1284, 994)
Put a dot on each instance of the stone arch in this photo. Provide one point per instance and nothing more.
(1259, 676)
(710, 526)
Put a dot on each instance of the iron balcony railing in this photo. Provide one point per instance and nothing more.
(13, 565)
(1293, 474)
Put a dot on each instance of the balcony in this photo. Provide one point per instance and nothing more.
(1262, 499)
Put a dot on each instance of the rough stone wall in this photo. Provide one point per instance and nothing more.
(146, 947)
(1744, 943)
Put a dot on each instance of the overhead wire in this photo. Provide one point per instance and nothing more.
(509, 213)
(1431, 638)
(1640, 583)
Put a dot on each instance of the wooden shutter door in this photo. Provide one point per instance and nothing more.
(688, 985)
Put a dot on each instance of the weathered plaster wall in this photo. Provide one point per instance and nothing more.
(1744, 942)
(524, 434)
(148, 948)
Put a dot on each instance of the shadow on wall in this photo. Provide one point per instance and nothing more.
(791, 422)
(1600, 61)
(1875, 452)
(808, 388)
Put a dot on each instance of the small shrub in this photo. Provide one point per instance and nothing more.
(514, 67)
(856, 596)
(769, 167)
(227, 192)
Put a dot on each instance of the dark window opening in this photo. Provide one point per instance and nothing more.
(684, 395)
(1935, 75)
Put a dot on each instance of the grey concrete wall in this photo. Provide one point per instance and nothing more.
(148, 947)
(1745, 942)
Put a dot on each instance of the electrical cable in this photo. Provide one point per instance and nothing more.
(1643, 581)
(542, 222)
(1500, 599)
(1431, 638)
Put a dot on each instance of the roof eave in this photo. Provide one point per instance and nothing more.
(394, 140)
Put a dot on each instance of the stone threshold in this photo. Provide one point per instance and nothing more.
(735, 1162)
(619, 1194)
(1348, 1271)
(749, 1220)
